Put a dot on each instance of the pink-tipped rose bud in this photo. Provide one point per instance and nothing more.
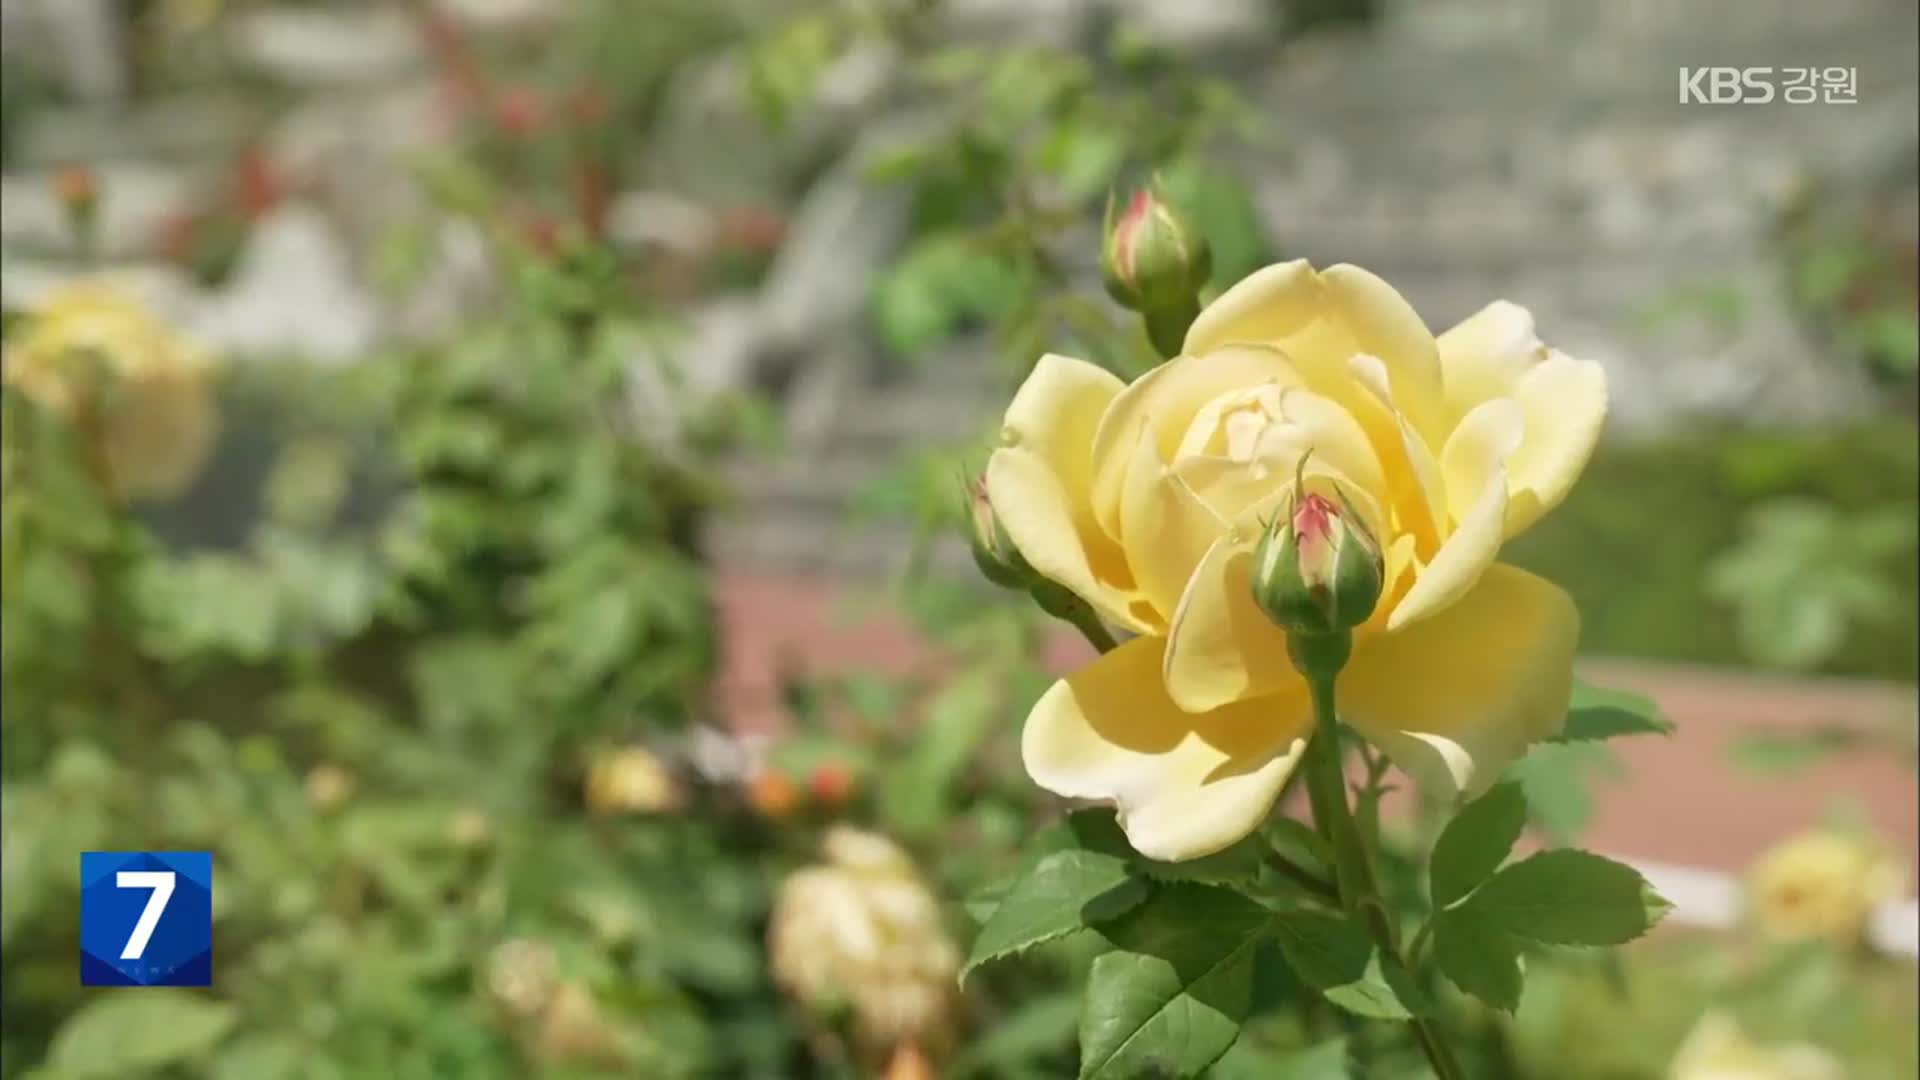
(1154, 259)
(1316, 570)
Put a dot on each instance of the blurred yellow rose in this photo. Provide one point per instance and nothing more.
(863, 931)
(631, 781)
(1718, 1050)
(1147, 499)
(1822, 884)
(137, 391)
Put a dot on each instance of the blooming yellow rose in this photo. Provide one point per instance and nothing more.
(1717, 1049)
(100, 360)
(1822, 884)
(631, 781)
(862, 930)
(1147, 499)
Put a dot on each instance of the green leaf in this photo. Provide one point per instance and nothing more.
(1064, 892)
(1247, 1061)
(1782, 752)
(915, 795)
(1557, 778)
(1568, 897)
(1038, 1027)
(1340, 960)
(122, 1033)
(1476, 842)
(1598, 713)
(261, 1057)
(1237, 863)
(1298, 841)
(1477, 956)
(1172, 996)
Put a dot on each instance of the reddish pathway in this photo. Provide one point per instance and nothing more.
(1682, 799)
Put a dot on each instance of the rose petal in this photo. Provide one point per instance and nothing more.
(1220, 646)
(1485, 355)
(1320, 319)
(1565, 404)
(1483, 443)
(1166, 400)
(1165, 527)
(1461, 561)
(1185, 785)
(1456, 698)
(1031, 503)
(1039, 483)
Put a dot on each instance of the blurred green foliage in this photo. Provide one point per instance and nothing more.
(1639, 538)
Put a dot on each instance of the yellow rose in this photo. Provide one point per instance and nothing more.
(1147, 499)
(631, 781)
(862, 930)
(1718, 1050)
(1822, 884)
(151, 419)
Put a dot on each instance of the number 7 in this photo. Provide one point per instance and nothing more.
(161, 882)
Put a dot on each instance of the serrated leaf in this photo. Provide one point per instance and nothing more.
(1237, 863)
(1568, 897)
(982, 902)
(1340, 960)
(1476, 842)
(1064, 892)
(124, 1033)
(1597, 713)
(1478, 957)
(1172, 996)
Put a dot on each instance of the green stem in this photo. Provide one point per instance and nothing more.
(1167, 328)
(1319, 658)
(1303, 877)
(1068, 608)
(1415, 950)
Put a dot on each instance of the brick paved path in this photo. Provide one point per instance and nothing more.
(1682, 799)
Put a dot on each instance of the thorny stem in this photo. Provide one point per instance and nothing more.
(1303, 877)
(1094, 631)
(1319, 658)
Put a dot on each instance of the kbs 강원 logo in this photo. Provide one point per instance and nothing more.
(146, 918)
(1760, 85)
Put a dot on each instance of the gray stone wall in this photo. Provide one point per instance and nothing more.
(1465, 149)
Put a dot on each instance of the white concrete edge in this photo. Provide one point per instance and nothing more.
(1711, 899)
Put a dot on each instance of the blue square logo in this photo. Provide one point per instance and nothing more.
(146, 918)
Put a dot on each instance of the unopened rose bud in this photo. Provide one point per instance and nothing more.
(993, 549)
(1316, 570)
(831, 784)
(772, 793)
(1154, 259)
